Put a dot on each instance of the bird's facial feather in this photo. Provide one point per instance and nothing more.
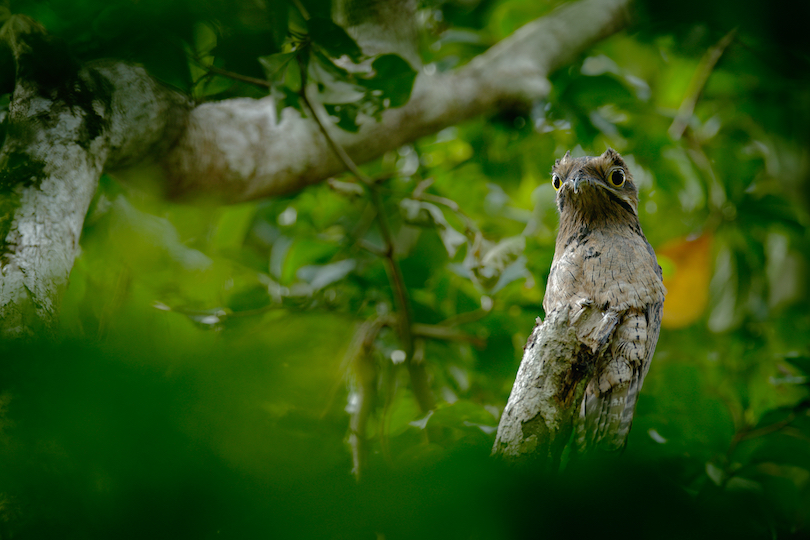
(576, 178)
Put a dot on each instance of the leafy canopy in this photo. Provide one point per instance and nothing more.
(223, 364)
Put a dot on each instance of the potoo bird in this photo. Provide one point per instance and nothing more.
(606, 272)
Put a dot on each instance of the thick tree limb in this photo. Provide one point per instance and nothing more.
(62, 131)
(539, 416)
(238, 150)
(67, 124)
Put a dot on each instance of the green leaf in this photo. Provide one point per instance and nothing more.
(279, 15)
(465, 419)
(160, 233)
(346, 115)
(233, 225)
(275, 65)
(784, 449)
(333, 86)
(305, 252)
(249, 298)
(425, 214)
(394, 77)
(329, 65)
(333, 39)
(802, 363)
(320, 276)
(285, 97)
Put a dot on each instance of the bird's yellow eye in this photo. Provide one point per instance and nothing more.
(555, 181)
(616, 178)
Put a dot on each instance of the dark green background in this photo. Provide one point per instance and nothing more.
(221, 414)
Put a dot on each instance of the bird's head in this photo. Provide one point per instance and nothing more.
(594, 189)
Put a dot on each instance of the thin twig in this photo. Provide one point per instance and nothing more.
(360, 337)
(336, 148)
(747, 434)
(466, 317)
(234, 76)
(371, 248)
(453, 206)
(697, 84)
(416, 370)
(388, 383)
(365, 376)
(301, 9)
(446, 334)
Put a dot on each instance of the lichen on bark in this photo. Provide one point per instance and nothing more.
(538, 420)
(77, 120)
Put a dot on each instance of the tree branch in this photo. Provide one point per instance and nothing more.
(538, 419)
(697, 84)
(239, 149)
(64, 127)
(113, 116)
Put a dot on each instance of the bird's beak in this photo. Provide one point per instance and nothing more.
(575, 182)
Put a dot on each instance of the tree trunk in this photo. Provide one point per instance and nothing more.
(64, 128)
(539, 417)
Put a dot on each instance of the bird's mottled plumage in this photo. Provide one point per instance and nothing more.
(606, 272)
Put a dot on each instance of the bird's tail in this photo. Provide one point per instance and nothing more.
(606, 417)
(610, 397)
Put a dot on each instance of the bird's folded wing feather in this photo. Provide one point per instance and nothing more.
(611, 396)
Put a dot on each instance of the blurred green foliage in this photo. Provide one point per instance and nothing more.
(210, 365)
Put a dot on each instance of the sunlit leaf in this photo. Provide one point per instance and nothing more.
(233, 226)
(350, 189)
(334, 88)
(502, 254)
(319, 277)
(451, 238)
(426, 214)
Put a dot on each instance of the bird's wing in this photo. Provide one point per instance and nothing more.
(593, 326)
(610, 397)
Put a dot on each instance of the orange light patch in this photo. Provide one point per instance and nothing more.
(687, 272)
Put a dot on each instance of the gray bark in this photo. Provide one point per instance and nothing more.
(538, 419)
(53, 156)
(115, 117)
(239, 149)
